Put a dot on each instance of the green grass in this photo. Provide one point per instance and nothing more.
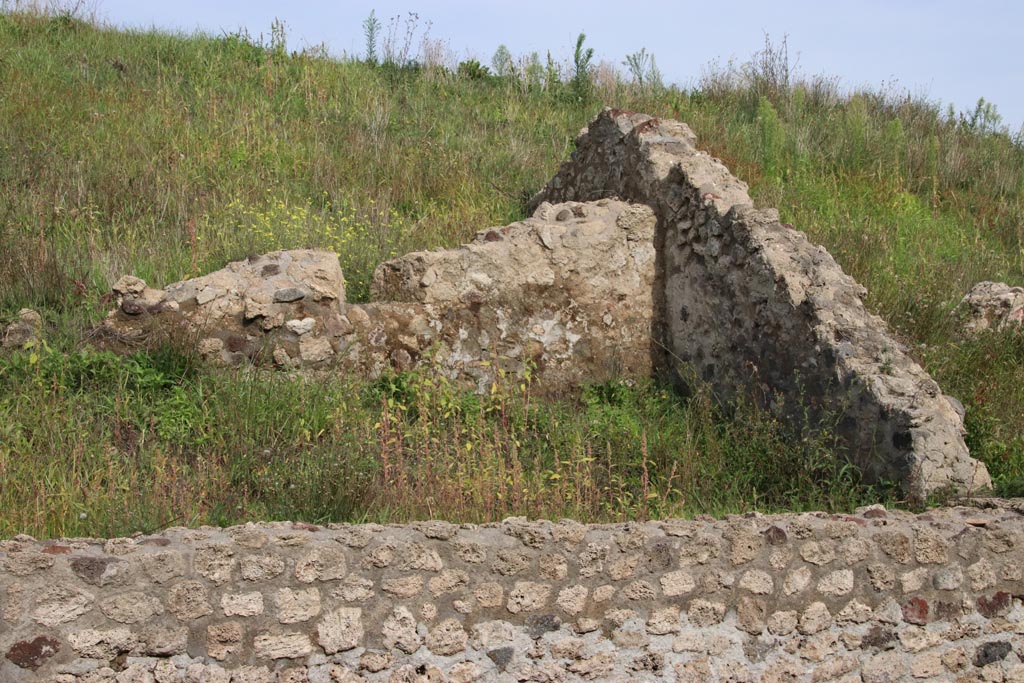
(166, 156)
(100, 444)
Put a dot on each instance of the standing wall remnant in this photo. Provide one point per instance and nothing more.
(754, 308)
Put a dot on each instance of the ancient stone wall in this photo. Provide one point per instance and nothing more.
(567, 294)
(877, 596)
(751, 306)
(643, 254)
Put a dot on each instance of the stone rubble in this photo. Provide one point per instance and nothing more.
(25, 330)
(566, 294)
(991, 305)
(876, 596)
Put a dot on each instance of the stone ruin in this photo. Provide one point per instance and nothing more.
(991, 306)
(568, 292)
(643, 255)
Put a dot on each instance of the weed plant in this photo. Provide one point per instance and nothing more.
(165, 156)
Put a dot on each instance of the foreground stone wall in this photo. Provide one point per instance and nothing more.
(754, 308)
(878, 596)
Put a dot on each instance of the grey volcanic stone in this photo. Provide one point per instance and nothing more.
(288, 295)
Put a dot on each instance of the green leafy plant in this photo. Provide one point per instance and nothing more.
(643, 70)
(502, 63)
(473, 70)
(581, 69)
(771, 139)
(371, 32)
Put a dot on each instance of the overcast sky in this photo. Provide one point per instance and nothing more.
(948, 51)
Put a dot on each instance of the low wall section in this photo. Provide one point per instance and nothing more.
(873, 597)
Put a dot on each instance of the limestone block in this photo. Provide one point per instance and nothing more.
(447, 638)
(163, 566)
(242, 604)
(282, 645)
(751, 614)
(294, 606)
(757, 582)
(214, 562)
(572, 599)
(447, 581)
(705, 612)
(261, 567)
(61, 604)
(399, 631)
(528, 596)
(105, 644)
(188, 600)
(321, 564)
(837, 583)
(223, 639)
(25, 563)
(677, 583)
(403, 587)
(354, 589)
(991, 305)
(489, 594)
(132, 607)
(783, 623)
(664, 621)
(818, 553)
(796, 581)
(815, 618)
(341, 630)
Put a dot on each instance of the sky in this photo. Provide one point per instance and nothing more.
(946, 51)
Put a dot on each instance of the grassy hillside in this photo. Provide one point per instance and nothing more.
(166, 156)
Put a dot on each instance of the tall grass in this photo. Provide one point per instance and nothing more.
(99, 444)
(167, 155)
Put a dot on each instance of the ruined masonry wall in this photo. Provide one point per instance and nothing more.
(878, 596)
(567, 292)
(643, 254)
(751, 306)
